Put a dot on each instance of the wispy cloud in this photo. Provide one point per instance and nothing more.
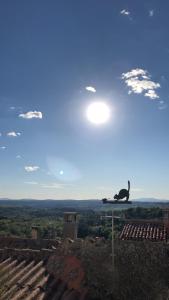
(125, 12)
(0, 134)
(56, 185)
(162, 105)
(13, 134)
(139, 82)
(90, 89)
(104, 188)
(3, 147)
(16, 109)
(31, 182)
(31, 114)
(31, 168)
(18, 156)
(151, 13)
(136, 190)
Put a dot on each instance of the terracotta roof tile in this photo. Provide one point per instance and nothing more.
(29, 280)
(147, 231)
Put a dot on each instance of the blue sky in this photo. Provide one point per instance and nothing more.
(51, 51)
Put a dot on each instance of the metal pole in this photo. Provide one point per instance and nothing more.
(113, 240)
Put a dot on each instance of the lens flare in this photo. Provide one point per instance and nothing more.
(63, 169)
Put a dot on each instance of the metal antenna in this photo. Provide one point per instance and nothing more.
(116, 202)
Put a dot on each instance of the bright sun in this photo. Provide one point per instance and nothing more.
(98, 112)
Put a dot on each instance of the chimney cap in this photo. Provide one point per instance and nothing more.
(35, 227)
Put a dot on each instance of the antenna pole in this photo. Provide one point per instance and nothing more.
(113, 240)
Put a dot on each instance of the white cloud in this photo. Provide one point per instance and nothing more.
(90, 89)
(12, 107)
(125, 12)
(146, 77)
(0, 134)
(151, 13)
(13, 134)
(31, 114)
(3, 147)
(139, 81)
(138, 86)
(18, 156)
(31, 168)
(134, 73)
(151, 94)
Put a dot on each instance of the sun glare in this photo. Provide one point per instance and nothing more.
(98, 113)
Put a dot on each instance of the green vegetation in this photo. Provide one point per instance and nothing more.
(17, 221)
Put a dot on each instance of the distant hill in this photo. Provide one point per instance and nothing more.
(151, 200)
(91, 204)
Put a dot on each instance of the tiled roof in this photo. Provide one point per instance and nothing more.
(29, 280)
(146, 231)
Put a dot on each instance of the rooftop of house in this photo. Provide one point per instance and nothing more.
(24, 274)
(35, 269)
(155, 232)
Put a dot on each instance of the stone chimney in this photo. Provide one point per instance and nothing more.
(70, 227)
(34, 232)
(166, 219)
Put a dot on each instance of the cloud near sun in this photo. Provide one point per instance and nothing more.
(90, 89)
(139, 82)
